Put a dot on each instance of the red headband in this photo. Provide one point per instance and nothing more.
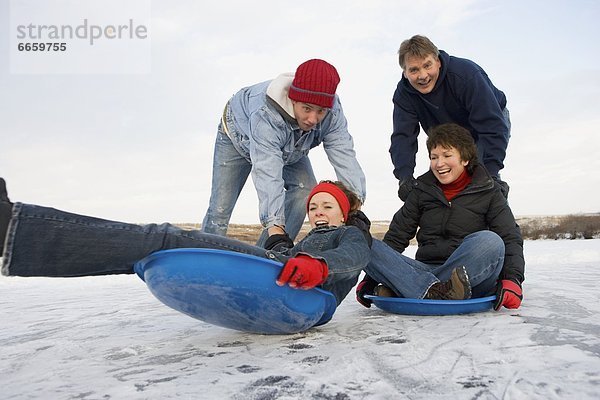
(336, 192)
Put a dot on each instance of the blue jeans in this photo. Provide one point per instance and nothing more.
(481, 253)
(43, 241)
(230, 172)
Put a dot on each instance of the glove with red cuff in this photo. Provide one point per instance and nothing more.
(509, 294)
(303, 272)
(366, 286)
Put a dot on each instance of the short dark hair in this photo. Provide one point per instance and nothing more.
(453, 135)
(417, 46)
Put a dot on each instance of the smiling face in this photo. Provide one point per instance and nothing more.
(308, 115)
(422, 72)
(323, 209)
(446, 164)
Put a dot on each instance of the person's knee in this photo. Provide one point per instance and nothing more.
(488, 240)
(303, 186)
(298, 192)
(300, 180)
(485, 236)
(494, 238)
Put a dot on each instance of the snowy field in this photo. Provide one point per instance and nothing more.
(109, 338)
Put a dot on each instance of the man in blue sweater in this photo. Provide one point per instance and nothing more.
(437, 88)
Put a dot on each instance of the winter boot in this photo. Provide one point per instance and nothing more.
(457, 287)
(384, 291)
(5, 212)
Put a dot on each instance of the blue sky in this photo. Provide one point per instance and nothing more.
(138, 146)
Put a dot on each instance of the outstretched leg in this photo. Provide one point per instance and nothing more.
(44, 241)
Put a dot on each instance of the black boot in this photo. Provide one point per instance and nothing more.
(457, 288)
(5, 212)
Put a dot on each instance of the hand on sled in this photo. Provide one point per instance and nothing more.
(303, 272)
(509, 294)
(366, 286)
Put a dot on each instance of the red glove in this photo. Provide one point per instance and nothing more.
(303, 272)
(509, 295)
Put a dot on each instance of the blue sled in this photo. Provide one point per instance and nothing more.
(400, 305)
(233, 290)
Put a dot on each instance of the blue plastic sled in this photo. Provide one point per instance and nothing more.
(233, 290)
(399, 305)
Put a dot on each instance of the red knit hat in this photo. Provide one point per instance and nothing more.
(336, 192)
(315, 83)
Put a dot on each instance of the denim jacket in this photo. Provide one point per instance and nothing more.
(344, 249)
(260, 122)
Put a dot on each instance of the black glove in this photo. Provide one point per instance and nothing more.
(404, 187)
(361, 221)
(279, 242)
(504, 188)
(366, 286)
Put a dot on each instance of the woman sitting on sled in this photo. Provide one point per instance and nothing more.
(469, 244)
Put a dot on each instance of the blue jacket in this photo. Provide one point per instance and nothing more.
(344, 249)
(463, 94)
(261, 125)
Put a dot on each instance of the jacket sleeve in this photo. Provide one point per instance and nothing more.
(487, 119)
(266, 143)
(404, 224)
(350, 256)
(339, 147)
(502, 221)
(404, 144)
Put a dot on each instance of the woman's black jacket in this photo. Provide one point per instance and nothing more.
(442, 225)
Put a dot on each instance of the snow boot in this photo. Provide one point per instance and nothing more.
(384, 291)
(457, 287)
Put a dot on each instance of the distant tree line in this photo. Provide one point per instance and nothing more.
(575, 226)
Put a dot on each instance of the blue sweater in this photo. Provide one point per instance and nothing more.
(463, 94)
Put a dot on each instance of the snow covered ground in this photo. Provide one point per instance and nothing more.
(109, 338)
